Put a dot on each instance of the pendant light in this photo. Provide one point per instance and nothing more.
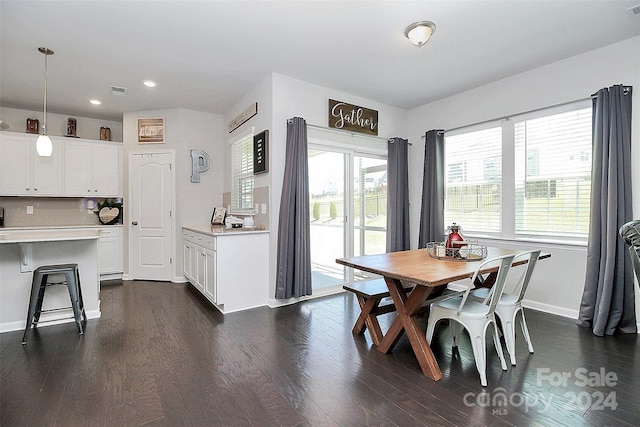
(44, 146)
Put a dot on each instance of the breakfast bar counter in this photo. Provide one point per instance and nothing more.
(22, 251)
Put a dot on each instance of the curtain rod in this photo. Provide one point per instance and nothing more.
(346, 132)
(517, 114)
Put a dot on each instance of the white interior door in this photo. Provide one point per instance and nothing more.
(151, 201)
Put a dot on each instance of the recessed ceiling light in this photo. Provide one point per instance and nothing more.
(149, 83)
(95, 101)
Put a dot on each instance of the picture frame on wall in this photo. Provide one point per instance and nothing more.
(219, 213)
(151, 131)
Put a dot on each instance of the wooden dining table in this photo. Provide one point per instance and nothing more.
(428, 274)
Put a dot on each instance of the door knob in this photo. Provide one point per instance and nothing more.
(134, 223)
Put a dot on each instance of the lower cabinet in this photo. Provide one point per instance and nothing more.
(218, 267)
(110, 251)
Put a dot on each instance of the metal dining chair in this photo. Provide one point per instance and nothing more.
(510, 304)
(474, 316)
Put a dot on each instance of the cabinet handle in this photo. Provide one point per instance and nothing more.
(27, 188)
(95, 191)
(134, 223)
(35, 189)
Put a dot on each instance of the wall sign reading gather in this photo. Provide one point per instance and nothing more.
(352, 117)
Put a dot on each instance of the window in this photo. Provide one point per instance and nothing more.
(242, 174)
(474, 180)
(528, 177)
(553, 174)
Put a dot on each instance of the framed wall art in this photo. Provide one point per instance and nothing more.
(151, 131)
(218, 215)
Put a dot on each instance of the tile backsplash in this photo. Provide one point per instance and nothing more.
(47, 211)
(260, 197)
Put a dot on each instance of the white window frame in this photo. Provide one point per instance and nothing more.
(236, 176)
(508, 197)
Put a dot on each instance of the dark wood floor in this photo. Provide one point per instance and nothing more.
(160, 355)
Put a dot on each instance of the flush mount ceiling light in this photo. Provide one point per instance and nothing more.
(419, 33)
(44, 146)
(149, 83)
(95, 101)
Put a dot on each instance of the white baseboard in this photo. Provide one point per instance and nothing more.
(274, 303)
(551, 309)
(51, 319)
(112, 276)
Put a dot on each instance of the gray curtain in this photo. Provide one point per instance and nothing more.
(398, 233)
(293, 277)
(608, 303)
(432, 212)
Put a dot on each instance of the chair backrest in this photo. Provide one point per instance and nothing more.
(631, 234)
(523, 282)
(505, 262)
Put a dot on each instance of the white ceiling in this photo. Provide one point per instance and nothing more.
(205, 55)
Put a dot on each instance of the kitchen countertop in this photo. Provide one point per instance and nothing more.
(219, 230)
(54, 227)
(33, 236)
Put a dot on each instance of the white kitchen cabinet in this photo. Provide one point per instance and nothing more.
(188, 257)
(231, 269)
(210, 276)
(110, 251)
(23, 172)
(92, 169)
(201, 269)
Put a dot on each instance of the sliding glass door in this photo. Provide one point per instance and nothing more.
(348, 212)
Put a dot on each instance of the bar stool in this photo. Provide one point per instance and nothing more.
(41, 281)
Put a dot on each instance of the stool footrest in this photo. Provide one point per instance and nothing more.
(56, 309)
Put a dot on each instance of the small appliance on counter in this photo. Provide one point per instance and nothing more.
(1, 217)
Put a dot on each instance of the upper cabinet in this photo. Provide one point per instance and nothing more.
(92, 169)
(77, 167)
(24, 173)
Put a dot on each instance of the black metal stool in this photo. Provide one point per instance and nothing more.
(41, 282)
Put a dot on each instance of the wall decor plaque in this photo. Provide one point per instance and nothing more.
(261, 152)
(352, 117)
(251, 111)
(151, 131)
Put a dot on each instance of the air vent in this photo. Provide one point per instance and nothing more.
(119, 91)
(3, 125)
(635, 10)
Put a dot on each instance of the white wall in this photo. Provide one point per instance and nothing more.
(184, 130)
(57, 123)
(560, 280)
(280, 98)
(295, 98)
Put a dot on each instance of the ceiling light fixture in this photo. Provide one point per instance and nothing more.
(44, 146)
(149, 83)
(95, 101)
(419, 33)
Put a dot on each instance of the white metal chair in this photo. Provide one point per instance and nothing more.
(474, 316)
(510, 304)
